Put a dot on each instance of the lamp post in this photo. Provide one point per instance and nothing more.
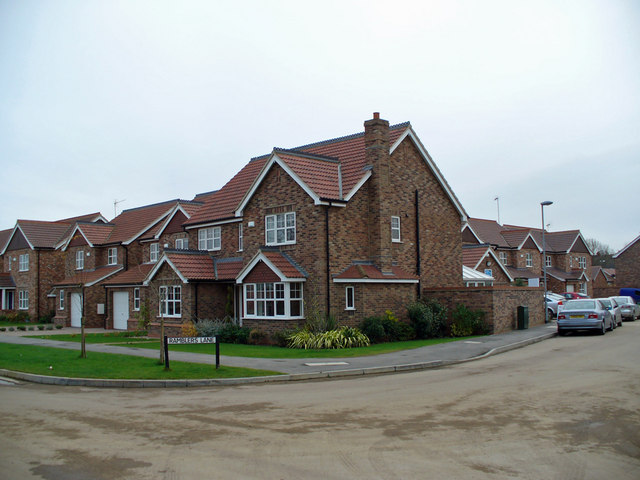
(544, 262)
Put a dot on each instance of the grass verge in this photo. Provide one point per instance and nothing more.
(67, 363)
(258, 351)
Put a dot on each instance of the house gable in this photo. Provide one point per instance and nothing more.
(17, 241)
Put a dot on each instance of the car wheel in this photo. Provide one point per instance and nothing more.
(613, 325)
(603, 329)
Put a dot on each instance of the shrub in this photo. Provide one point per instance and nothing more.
(22, 328)
(3, 329)
(11, 329)
(48, 318)
(58, 326)
(49, 327)
(428, 318)
(188, 329)
(468, 322)
(209, 328)
(143, 316)
(281, 337)
(343, 337)
(257, 337)
(386, 329)
(40, 327)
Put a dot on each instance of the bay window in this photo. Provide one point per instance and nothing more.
(273, 300)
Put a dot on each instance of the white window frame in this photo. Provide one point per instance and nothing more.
(350, 298)
(582, 263)
(154, 252)
(583, 287)
(23, 266)
(9, 263)
(240, 238)
(23, 300)
(273, 300)
(80, 260)
(182, 243)
(503, 257)
(136, 299)
(547, 261)
(280, 229)
(170, 301)
(112, 256)
(529, 260)
(210, 238)
(395, 229)
(61, 300)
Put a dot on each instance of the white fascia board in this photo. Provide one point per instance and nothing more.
(15, 229)
(254, 261)
(373, 280)
(213, 224)
(176, 209)
(164, 259)
(617, 254)
(263, 173)
(583, 241)
(357, 186)
(534, 241)
(160, 217)
(493, 255)
(427, 158)
(103, 277)
(70, 237)
(468, 225)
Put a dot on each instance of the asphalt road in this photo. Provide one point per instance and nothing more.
(564, 408)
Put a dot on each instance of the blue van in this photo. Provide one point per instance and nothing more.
(631, 292)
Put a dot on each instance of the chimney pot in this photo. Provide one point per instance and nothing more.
(376, 115)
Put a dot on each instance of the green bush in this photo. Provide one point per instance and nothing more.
(281, 337)
(11, 329)
(48, 318)
(58, 327)
(428, 319)
(22, 328)
(3, 329)
(257, 337)
(386, 329)
(343, 337)
(49, 327)
(468, 322)
(40, 327)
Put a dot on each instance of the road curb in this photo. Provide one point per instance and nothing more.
(294, 377)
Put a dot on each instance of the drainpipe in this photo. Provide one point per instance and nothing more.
(37, 319)
(326, 225)
(418, 270)
(106, 308)
(195, 299)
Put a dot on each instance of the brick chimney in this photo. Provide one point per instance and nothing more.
(376, 143)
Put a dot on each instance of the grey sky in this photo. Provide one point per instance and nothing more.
(148, 100)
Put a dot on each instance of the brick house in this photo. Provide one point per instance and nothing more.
(34, 263)
(627, 262)
(105, 263)
(352, 226)
(482, 258)
(520, 250)
(603, 282)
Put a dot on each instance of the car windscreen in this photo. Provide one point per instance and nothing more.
(623, 300)
(580, 305)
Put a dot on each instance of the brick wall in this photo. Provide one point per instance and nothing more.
(499, 303)
(628, 267)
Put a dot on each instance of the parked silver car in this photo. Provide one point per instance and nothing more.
(628, 308)
(552, 300)
(587, 314)
(613, 307)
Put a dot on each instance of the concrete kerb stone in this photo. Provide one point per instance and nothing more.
(109, 383)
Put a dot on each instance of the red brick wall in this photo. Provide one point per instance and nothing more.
(628, 267)
(499, 303)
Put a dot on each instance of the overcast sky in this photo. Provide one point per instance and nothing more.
(146, 101)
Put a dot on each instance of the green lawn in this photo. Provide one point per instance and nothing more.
(256, 351)
(67, 363)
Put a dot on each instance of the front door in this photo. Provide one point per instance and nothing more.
(8, 300)
(76, 310)
(570, 288)
(120, 310)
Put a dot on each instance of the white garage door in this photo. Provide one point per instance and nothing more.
(120, 310)
(76, 310)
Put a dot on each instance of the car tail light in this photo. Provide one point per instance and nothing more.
(593, 315)
(561, 317)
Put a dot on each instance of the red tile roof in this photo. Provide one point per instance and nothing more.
(133, 276)
(193, 265)
(283, 262)
(471, 255)
(371, 272)
(91, 277)
(5, 235)
(96, 233)
(41, 234)
(320, 174)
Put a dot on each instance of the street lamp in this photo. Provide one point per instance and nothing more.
(544, 262)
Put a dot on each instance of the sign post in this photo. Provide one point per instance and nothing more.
(189, 341)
